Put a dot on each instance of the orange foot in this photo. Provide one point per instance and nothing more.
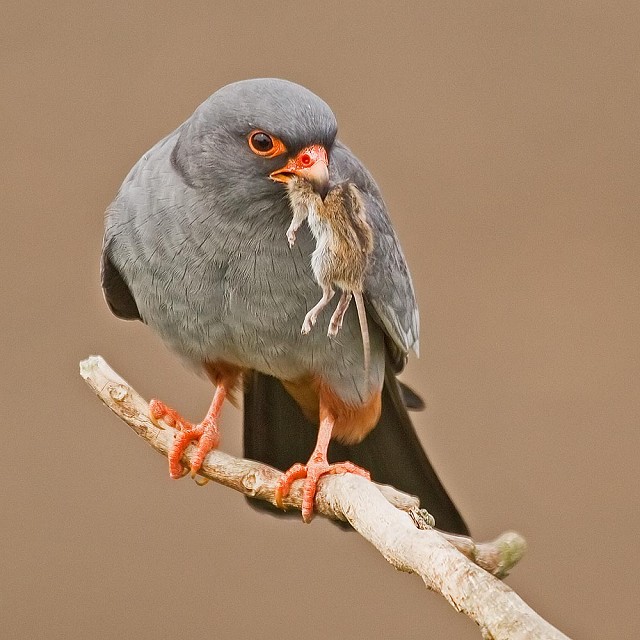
(312, 472)
(206, 433)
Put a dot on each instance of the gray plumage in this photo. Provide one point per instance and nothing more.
(195, 245)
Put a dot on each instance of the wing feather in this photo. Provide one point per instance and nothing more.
(116, 292)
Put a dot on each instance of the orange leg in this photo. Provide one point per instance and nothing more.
(316, 467)
(206, 432)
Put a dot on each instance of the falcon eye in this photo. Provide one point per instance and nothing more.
(263, 144)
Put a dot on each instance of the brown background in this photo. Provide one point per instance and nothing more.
(504, 136)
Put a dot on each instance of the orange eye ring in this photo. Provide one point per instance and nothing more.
(265, 145)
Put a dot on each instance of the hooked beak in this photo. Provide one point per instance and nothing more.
(311, 164)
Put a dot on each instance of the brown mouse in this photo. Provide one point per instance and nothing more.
(344, 242)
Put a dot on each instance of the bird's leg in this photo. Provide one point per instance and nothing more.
(206, 432)
(316, 467)
(335, 323)
(312, 316)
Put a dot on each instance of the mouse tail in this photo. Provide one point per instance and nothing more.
(364, 330)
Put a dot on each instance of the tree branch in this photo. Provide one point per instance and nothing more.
(454, 566)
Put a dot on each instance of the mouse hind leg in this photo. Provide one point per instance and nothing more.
(312, 316)
(335, 323)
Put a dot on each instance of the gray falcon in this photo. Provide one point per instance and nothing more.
(195, 247)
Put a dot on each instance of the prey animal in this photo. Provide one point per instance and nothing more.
(344, 243)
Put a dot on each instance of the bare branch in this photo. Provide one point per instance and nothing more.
(453, 566)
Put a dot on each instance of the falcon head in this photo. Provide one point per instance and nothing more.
(252, 136)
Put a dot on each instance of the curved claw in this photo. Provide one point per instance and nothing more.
(206, 433)
(208, 439)
(158, 410)
(296, 472)
(312, 472)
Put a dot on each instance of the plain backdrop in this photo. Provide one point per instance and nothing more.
(504, 136)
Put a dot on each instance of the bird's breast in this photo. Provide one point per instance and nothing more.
(240, 295)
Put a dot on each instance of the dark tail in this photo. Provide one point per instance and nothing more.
(276, 433)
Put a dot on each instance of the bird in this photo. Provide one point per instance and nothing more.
(195, 247)
(344, 242)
